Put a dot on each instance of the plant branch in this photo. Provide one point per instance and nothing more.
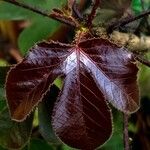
(125, 21)
(36, 10)
(93, 13)
(126, 135)
(141, 59)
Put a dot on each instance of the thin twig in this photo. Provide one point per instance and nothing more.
(142, 60)
(126, 135)
(93, 13)
(36, 10)
(126, 21)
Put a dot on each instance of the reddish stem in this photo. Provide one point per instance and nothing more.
(93, 13)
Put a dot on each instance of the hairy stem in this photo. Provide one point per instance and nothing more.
(126, 136)
(36, 10)
(93, 13)
(125, 21)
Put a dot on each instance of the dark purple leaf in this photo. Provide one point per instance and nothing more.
(95, 71)
(81, 116)
(115, 72)
(29, 80)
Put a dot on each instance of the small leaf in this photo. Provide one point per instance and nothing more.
(44, 113)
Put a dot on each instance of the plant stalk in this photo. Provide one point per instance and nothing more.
(126, 135)
(126, 21)
(93, 13)
(36, 10)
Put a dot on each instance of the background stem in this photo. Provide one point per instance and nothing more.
(36, 10)
(126, 135)
(126, 21)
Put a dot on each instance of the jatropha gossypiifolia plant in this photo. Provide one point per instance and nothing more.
(96, 72)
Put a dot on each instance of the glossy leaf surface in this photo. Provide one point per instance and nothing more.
(28, 81)
(95, 71)
(81, 116)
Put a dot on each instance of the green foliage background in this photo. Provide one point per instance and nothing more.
(41, 28)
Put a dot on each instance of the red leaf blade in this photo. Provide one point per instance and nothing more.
(115, 72)
(29, 80)
(81, 117)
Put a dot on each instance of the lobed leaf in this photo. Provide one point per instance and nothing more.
(95, 72)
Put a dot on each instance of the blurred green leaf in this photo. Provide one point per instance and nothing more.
(116, 141)
(3, 63)
(37, 144)
(41, 28)
(1, 148)
(11, 12)
(3, 72)
(136, 6)
(14, 135)
(65, 147)
(45, 112)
